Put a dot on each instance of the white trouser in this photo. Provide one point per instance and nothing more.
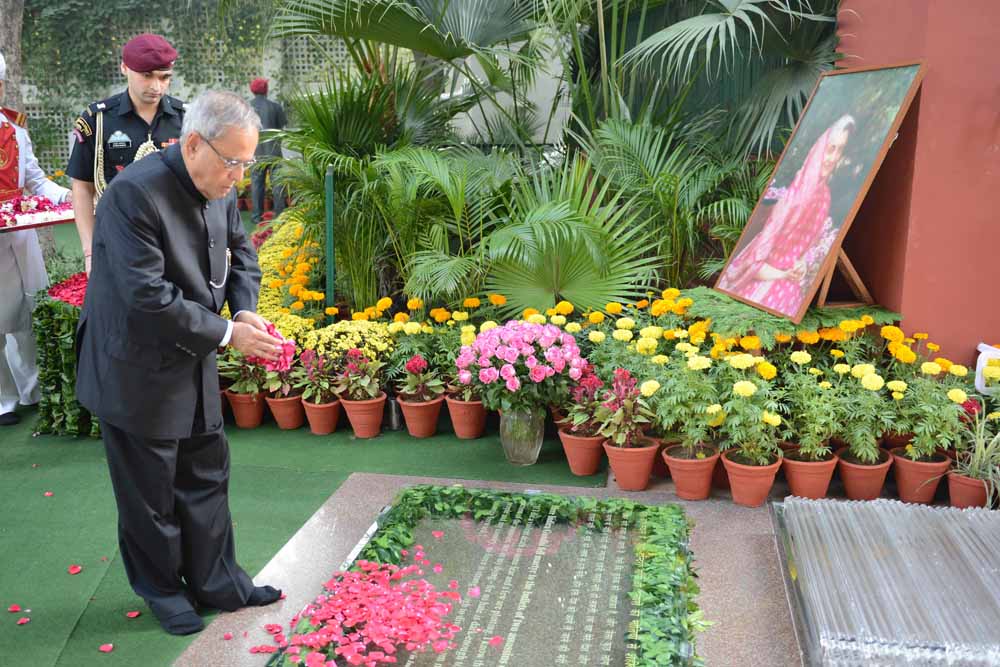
(18, 370)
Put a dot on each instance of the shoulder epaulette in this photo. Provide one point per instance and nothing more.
(16, 117)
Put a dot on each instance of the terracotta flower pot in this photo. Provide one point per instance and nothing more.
(966, 491)
(468, 418)
(808, 479)
(288, 412)
(322, 417)
(891, 441)
(632, 466)
(365, 416)
(583, 452)
(751, 485)
(421, 418)
(917, 481)
(692, 477)
(248, 409)
(862, 481)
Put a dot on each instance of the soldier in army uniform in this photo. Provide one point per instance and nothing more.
(112, 133)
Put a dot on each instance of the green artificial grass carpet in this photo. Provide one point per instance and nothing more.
(279, 478)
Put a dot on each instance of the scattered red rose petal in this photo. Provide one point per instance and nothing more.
(74, 569)
(495, 640)
(133, 614)
(227, 636)
(474, 591)
(106, 648)
(437, 568)
(272, 628)
(48, 494)
(264, 648)
(14, 608)
(23, 620)
(438, 534)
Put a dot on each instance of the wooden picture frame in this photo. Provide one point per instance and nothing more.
(827, 178)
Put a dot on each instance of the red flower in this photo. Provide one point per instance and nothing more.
(416, 365)
(71, 291)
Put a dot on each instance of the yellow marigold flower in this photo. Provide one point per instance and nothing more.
(596, 336)
(920, 336)
(892, 333)
(958, 396)
(371, 312)
(574, 327)
(623, 335)
(867, 320)
(471, 302)
(414, 304)
(642, 303)
(749, 343)
(872, 382)
(671, 293)
(815, 371)
(625, 323)
(742, 361)
(549, 312)
(909, 341)
(646, 346)
(385, 303)
(945, 364)
(842, 368)
(564, 308)
(836, 354)
(825, 384)
(800, 357)
(767, 370)
(648, 388)
(318, 296)
(614, 308)
(898, 395)
(412, 328)
(487, 325)
(298, 305)
(958, 370)
(303, 267)
(680, 333)
(468, 338)
(426, 328)
(896, 385)
(930, 368)
(861, 370)
(744, 388)
(460, 316)
(295, 289)
(497, 299)
(669, 334)
(557, 320)
(276, 283)
(301, 280)
(696, 362)
(596, 317)
(933, 347)
(651, 332)
(850, 326)
(401, 317)
(286, 253)
(717, 420)
(807, 337)
(659, 307)
(783, 338)
(905, 354)
(832, 334)
(660, 359)
(395, 327)
(284, 311)
(770, 418)
(536, 318)
(991, 372)
(331, 311)
(360, 316)
(713, 409)
(993, 416)
(528, 312)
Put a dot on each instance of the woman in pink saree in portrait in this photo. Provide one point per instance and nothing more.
(772, 269)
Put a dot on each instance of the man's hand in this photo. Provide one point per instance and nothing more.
(250, 337)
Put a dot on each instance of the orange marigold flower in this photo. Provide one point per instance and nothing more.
(595, 317)
(642, 303)
(613, 308)
(933, 347)
(332, 310)
(471, 302)
(807, 337)
(359, 316)
(905, 354)
(671, 293)
(401, 317)
(385, 303)
(945, 364)
(783, 338)
(528, 312)
(498, 299)
(893, 333)
(298, 305)
(749, 343)
(564, 308)
(834, 334)
(414, 304)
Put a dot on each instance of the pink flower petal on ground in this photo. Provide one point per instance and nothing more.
(272, 628)
(453, 584)
(227, 636)
(48, 494)
(74, 569)
(106, 648)
(133, 614)
(474, 591)
(437, 568)
(264, 648)
(14, 608)
(495, 640)
(23, 620)
(438, 534)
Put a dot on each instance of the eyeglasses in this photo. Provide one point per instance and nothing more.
(229, 162)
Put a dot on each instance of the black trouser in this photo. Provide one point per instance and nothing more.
(258, 189)
(174, 521)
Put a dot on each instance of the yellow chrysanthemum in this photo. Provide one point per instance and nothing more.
(649, 387)
(497, 299)
(613, 308)
(596, 336)
(893, 333)
(660, 359)
(696, 362)
(770, 418)
(930, 368)
(744, 388)
(767, 370)
(861, 370)
(574, 327)
(471, 302)
(595, 317)
(564, 308)
(800, 357)
(872, 382)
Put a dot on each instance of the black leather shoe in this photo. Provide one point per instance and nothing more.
(9, 419)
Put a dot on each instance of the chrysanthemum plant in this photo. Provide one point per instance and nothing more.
(622, 415)
(420, 384)
(315, 376)
(361, 377)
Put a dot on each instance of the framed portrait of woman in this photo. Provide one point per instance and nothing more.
(793, 235)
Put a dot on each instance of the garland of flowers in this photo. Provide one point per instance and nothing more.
(663, 632)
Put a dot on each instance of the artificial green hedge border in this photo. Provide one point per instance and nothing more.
(59, 413)
(665, 614)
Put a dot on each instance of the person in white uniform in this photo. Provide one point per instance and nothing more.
(22, 269)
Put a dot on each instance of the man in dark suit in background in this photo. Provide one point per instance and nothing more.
(272, 117)
(169, 249)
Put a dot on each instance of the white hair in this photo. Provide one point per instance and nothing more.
(3, 68)
(215, 111)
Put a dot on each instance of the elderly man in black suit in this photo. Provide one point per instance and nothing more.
(169, 249)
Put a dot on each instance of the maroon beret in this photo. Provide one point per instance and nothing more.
(258, 86)
(148, 52)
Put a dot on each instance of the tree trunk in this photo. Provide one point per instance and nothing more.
(12, 12)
